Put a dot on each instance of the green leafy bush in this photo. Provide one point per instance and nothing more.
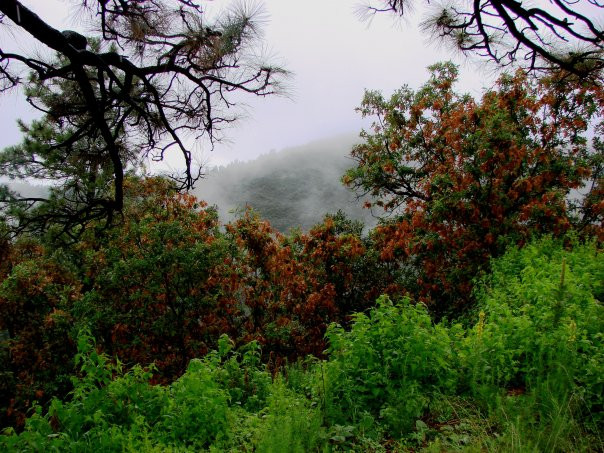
(241, 372)
(103, 412)
(291, 423)
(196, 411)
(389, 366)
(541, 327)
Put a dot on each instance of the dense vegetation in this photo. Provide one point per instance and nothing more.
(470, 318)
(165, 285)
(524, 374)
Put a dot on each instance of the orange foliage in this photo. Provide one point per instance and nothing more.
(471, 177)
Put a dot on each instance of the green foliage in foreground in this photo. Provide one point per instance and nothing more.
(527, 374)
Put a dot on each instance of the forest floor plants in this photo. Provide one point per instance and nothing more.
(525, 375)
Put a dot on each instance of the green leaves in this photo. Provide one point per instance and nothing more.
(540, 334)
(391, 364)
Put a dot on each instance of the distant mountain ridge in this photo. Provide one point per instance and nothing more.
(291, 188)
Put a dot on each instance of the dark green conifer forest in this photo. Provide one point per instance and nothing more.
(468, 317)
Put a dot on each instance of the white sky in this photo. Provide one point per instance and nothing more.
(333, 57)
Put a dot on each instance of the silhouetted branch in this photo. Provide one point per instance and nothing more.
(555, 36)
(183, 73)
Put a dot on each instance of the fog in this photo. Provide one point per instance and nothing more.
(333, 57)
(26, 190)
(292, 188)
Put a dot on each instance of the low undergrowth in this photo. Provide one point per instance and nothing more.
(524, 372)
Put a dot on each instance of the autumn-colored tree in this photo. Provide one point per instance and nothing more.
(294, 286)
(324, 284)
(465, 177)
(158, 284)
(343, 260)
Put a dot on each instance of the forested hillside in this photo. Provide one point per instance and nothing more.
(292, 188)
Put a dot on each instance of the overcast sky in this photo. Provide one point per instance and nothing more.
(333, 57)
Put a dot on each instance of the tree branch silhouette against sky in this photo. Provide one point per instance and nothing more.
(560, 34)
(156, 72)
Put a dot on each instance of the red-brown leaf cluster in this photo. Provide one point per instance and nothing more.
(465, 178)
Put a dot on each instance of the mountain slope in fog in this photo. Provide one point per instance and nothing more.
(291, 188)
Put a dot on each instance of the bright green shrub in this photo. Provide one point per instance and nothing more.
(290, 424)
(389, 366)
(196, 412)
(241, 372)
(115, 411)
(103, 412)
(541, 327)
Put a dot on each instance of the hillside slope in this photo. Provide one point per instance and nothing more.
(291, 188)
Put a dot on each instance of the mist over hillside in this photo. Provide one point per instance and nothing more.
(25, 189)
(291, 188)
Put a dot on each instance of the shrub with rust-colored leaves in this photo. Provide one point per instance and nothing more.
(465, 177)
(36, 297)
(159, 283)
(294, 286)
